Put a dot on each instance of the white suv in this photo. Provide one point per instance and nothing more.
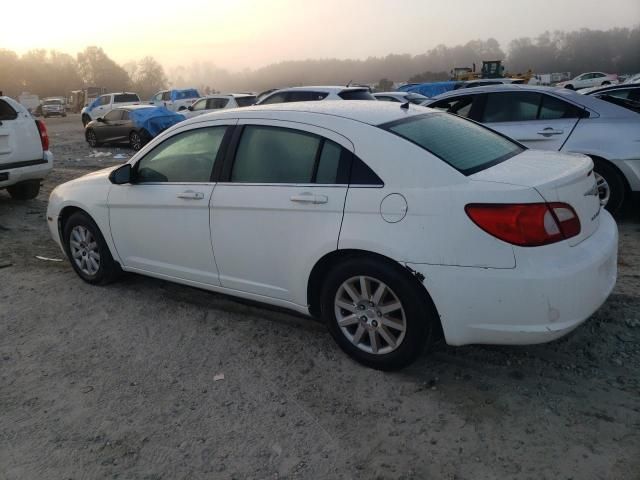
(211, 103)
(107, 102)
(25, 158)
(310, 94)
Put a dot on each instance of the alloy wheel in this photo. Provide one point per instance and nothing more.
(370, 315)
(91, 138)
(136, 141)
(84, 250)
(604, 190)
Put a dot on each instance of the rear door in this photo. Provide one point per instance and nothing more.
(19, 137)
(534, 119)
(279, 207)
(111, 126)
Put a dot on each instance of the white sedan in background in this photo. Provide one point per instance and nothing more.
(394, 225)
(211, 103)
(549, 118)
(590, 79)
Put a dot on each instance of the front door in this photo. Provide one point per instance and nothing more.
(160, 223)
(279, 207)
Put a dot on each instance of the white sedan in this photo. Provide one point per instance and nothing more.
(589, 79)
(395, 225)
(218, 101)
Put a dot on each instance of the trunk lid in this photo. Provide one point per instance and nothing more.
(557, 177)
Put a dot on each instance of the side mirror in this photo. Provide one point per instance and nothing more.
(101, 120)
(121, 175)
(190, 108)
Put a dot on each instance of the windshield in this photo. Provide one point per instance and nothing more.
(465, 145)
(52, 102)
(246, 101)
(185, 94)
(125, 97)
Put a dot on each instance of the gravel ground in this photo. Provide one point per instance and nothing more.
(144, 379)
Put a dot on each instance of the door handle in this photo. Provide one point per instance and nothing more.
(308, 197)
(191, 195)
(547, 132)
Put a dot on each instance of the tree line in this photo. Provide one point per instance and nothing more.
(49, 73)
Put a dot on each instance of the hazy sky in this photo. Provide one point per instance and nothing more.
(248, 34)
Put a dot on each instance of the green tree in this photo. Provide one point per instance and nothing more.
(98, 70)
(147, 77)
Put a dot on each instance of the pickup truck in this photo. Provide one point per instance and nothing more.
(107, 102)
(25, 158)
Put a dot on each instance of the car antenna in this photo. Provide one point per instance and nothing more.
(349, 84)
(405, 105)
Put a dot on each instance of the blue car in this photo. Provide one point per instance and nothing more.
(134, 125)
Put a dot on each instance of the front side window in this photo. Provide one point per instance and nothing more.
(281, 155)
(217, 103)
(185, 157)
(466, 146)
(199, 105)
(279, 97)
(457, 105)
(157, 97)
(166, 96)
(113, 115)
(104, 100)
(511, 107)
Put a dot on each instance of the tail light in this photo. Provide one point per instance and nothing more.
(44, 136)
(526, 224)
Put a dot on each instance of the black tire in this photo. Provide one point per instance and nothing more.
(85, 119)
(108, 270)
(617, 185)
(92, 138)
(606, 83)
(136, 142)
(419, 311)
(570, 87)
(24, 190)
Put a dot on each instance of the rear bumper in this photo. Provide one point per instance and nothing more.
(21, 171)
(543, 298)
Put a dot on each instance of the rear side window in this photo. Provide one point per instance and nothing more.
(105, 99)
(467, 147)
(279, 97)
(7, 112)
(246, 101)
(113, 115)
(125, 97)
(554, 108)
(281, 155)
(356, 95)
(511, 107)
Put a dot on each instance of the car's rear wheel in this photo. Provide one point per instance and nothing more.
(611, 186)
(377, 313)
(87, 250)
(135, 141)
(24, 190)
(92, 138)
(606, 83)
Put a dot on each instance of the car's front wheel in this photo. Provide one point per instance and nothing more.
(85, 119)
(377, 312)
(24, 190)
(570, 87)
(87, 250)
(92, 138)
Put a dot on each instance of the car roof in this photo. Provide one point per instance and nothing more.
(227, 95)
(319, 88)
(607, 88)
(372, 113)
(134, 107)
(588, 101)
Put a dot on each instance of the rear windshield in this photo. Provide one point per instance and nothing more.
(356, 95)
(184, 94)
(52, 102)
(246, 101)
(466, 146)
(125, 97)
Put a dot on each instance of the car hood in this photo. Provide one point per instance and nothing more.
(97, 177)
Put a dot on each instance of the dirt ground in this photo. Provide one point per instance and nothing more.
(124, 381)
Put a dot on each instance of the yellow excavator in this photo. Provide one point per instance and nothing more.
(490, 69)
